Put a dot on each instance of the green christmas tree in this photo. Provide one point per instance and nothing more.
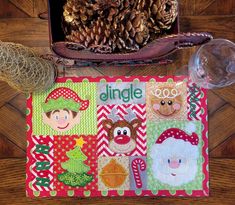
(76, 174)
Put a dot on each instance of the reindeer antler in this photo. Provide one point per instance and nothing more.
(165, 93)
(130, 115)
(113, 115)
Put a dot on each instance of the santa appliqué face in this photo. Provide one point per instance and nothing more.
(175, 160)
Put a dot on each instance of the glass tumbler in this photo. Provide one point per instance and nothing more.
(213, 64)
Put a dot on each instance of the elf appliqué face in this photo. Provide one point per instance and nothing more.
(62, 120)
(62, 109)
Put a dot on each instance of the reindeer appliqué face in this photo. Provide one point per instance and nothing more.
(122, 133)
(166, 101)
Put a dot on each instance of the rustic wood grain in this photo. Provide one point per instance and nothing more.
(8, 10)
(214, 102)
(13, 125)
(10, 149)
(40, 6)
(219, 26)
(25, 5)
(180, 61)
(82, 71)
(19, 103)
(227, 94)
(206, 7)
(149, 70)
(31, 32)
(226, 149)
(187, 7)
(6, 93)
(222, 188)
(221, 125)
(214, 7)
(114, 70)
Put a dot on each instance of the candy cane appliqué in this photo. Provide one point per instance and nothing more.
(136, 170)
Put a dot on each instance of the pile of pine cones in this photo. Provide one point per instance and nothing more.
(117, 26)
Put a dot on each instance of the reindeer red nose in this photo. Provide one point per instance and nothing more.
(122, 139)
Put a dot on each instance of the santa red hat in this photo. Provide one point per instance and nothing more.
(178, 134)
(62, 98)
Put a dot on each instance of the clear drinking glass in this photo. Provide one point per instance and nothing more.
(213, 64)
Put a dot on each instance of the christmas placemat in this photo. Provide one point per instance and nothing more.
(118, 136)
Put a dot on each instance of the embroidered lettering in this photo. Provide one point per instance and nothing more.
(42, 148)
(125, 95)
(42, 165)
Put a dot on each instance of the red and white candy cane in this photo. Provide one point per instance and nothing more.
(136, 170)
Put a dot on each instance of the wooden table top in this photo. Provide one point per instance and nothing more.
(19, 23)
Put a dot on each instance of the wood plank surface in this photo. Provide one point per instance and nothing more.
(31, 32)
(25, 5)
(8, 10)
(19, 23)
(13, 125)
(226, 149)
(6, 93)
(221, 125)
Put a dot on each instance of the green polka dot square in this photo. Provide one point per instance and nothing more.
(88, 121)
(154, 133)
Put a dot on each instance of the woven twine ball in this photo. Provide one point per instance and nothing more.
(23, 70)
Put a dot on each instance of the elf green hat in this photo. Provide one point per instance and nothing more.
(62, 98)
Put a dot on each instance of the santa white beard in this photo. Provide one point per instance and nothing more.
(176, 149)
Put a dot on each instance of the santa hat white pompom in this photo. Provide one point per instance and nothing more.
(190, 128)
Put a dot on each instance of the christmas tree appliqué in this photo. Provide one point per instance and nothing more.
(76, 174)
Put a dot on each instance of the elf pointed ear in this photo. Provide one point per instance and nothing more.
(78, 117)
(136, 123)
(107, 124)
(45, 119)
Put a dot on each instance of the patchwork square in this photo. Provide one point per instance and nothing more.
(174, 159)
(42, 163)
(113, 93)
(75, 165)
(65, 109)
(194, 102)
(167, 101)
(121, 130)
(113, 173)
(138, 173)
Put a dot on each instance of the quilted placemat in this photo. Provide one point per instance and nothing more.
(118, 136)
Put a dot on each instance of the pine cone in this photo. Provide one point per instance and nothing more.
(117, 25)
(96, 38)
(140, 5)
(107, 9)
(162, 14)
(132, 31)
(106, 4)
(127, 4)
(78, 12)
